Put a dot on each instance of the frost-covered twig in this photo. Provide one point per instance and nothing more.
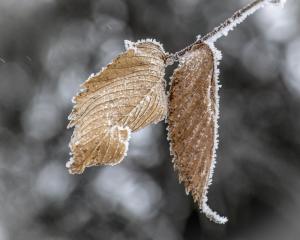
(230, 23)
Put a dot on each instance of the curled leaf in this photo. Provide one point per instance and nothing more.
(124, 97)
(192, 118)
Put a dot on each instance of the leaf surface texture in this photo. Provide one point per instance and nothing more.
(124, 97)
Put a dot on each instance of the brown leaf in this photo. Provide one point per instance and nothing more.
(193, 114)
(126, 96)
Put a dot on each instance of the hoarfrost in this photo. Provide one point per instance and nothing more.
(129, 45)
(126, 142)
(210, 214)
(70, 162)
(132, 45)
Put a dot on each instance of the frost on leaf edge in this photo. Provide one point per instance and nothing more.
(132, 45)
(210, 214)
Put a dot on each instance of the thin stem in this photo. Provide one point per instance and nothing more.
(228, 24)
(234, 20)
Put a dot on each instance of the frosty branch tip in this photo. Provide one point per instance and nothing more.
(230, 23)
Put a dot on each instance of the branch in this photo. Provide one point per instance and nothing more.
(229, 24)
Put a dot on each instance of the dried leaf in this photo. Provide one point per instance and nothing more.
(126, 96)
(193, 114)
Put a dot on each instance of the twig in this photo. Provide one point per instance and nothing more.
(227, 25)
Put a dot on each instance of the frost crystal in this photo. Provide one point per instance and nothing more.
(129, 45)
(132, 45)
(70, 162)
(212, 215)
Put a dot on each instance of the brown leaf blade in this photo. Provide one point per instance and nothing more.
(192, 119)
(124, 97)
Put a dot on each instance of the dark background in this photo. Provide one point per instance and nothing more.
(48, 47)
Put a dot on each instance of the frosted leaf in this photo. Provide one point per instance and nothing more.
(192, 118)
(126, 96)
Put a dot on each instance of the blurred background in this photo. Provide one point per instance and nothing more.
(49, 47)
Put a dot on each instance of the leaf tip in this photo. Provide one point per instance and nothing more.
(212, 215)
